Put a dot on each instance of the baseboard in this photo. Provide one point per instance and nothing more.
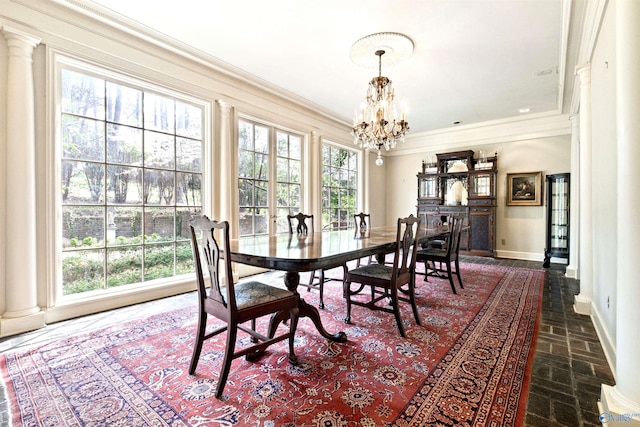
(526, 256)
(608, 344)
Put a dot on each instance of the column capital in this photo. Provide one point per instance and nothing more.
(12, 33)
(583, 71)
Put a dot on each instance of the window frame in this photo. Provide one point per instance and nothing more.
(272, 207)
(357, 207)
(57, 61)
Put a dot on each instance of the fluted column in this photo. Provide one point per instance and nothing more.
(21, 302)
(624, 398)
(574, 186)
(582, 302)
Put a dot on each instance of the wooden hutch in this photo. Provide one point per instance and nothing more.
(458, 183)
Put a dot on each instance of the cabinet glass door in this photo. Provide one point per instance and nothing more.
(557, 217)
(429, 187)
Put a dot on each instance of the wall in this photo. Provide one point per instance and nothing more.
(522, 227)
(604, 183)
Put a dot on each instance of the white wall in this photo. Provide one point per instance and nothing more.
(604, 182)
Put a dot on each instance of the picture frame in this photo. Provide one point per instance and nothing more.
(524, 189)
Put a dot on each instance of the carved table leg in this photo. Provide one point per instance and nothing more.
(291, 281)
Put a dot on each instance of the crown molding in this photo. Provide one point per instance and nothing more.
(499, 131)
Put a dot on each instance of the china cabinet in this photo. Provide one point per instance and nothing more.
(557, 242)
(459, 183)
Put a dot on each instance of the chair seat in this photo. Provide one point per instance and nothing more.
(375, 271)
(437, 243)
(432, 252)
(252, 294)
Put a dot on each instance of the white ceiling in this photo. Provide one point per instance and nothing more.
(473, 60)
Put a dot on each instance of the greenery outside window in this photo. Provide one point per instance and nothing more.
(339, 187)
(131, 177)
(269, 178)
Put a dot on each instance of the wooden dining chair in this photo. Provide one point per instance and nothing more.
(444, 257)
(298, 222)
(388, 284)
(362, 222)
(233, 303)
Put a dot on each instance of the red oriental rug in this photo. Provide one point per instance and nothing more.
(467, 365)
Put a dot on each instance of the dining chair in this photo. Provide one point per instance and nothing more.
(299, 223)
(388, 284)
(444, 256)
(233, 303)
(434, 220)
(362, 222)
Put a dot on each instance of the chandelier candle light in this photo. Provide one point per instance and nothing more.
(376, 124)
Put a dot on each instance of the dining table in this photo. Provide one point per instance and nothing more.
(296, 253)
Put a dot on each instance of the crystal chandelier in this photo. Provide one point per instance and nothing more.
(376, 125)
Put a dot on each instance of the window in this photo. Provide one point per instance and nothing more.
(269, 180)
(339, 187)
(131, 177)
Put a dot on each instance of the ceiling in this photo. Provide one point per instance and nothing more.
(473, 60)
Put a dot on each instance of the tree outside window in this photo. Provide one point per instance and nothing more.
(131, 177)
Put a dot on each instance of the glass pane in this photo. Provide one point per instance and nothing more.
(294, 171)
(261, 221)
(82, 138)
(261, 166)
(124, 266)
(159, 113)
(295, 144)
(158, 261)
(245, 135)
(158, 187)
(246, 164)
(158, 150)
(183, 218)
(124, 145)
(261, 139)
(184, 258)
(82, 95)
(124, 226)
(82, 271)
(246, 221)
(124, 105)
(188, 120)
(282, 171)
(326, 155)
(82, 182)
(188, 189)
(282, 143)
(158, 225)
(282, 223)
(188, 155)
(282, 194)
(245, 187)
(262, 193)
(82, 226)
(124, 185)
(294, 196)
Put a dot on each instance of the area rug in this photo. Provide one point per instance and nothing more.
(467, 365)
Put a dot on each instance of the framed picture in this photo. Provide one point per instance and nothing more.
(524, 189)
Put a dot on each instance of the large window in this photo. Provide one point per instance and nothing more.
(131, 176)
(339, 187)
(269, 180)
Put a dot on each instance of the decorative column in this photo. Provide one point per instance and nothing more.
(582, 302)
(228, 156)
(22, 312)
(314, 201)
(574, 186)
(622, 402)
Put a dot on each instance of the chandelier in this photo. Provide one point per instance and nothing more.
(376, 125)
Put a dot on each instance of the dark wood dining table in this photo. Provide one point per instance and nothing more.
(324, 250)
